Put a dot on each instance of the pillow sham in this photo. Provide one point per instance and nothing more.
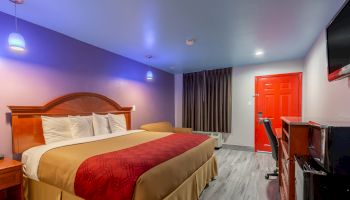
(56, 129)
(100, 124)
(81, 126)
(117, 122)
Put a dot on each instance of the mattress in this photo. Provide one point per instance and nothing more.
(58, 164)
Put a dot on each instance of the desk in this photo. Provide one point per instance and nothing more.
(293, 140)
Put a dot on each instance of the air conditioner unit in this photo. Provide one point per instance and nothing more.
(216, 135)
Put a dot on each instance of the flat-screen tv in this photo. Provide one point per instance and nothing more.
(338, 45)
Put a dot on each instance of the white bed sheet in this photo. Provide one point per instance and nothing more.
(32, 156)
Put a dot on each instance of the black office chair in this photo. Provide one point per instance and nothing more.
(273, 142)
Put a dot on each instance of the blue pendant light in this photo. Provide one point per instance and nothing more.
(15, 40)
(149, 74)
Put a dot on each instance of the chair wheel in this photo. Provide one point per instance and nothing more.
(266, 176)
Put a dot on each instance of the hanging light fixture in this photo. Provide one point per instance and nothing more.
(149, 74)
(16, 41)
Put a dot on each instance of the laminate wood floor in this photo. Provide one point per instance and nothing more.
(241, 177)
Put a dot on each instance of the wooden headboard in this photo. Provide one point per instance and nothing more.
(27, 128)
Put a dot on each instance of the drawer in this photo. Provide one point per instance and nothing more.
(10, 179)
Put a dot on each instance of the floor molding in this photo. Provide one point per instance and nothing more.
(238, 147)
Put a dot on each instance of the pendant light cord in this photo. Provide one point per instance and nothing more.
(149, 57)
(16, 23)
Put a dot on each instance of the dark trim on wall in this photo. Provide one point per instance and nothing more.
(238, 147)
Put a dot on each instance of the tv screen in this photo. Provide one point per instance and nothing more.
(338, 45)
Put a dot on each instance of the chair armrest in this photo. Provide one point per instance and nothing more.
(158, 127)
(182, 130)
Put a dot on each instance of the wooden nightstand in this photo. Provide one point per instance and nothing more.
(11, 179)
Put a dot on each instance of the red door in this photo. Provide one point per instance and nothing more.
(275, 96)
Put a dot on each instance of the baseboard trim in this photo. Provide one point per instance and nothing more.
(238, 147)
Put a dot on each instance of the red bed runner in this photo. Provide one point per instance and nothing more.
(113, 175)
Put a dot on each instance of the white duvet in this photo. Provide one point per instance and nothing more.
(32, 156)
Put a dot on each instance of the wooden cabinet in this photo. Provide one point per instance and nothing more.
(293, 141)
(11, 179)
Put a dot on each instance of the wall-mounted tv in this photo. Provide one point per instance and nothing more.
(338, 45)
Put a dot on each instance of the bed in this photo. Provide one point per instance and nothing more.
(130, 164)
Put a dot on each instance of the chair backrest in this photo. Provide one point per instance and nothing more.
(272, 138)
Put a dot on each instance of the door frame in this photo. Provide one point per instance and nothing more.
(300, 93)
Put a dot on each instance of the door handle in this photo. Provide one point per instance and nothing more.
(260, 117)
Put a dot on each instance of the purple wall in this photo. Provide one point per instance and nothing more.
(55, 65)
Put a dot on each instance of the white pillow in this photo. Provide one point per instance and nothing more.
(100, 124)
(81, 126)
(56, 129)
(117, 122)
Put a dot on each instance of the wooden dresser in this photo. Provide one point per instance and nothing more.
(293, 141)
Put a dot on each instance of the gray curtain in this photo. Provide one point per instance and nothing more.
(207, 100)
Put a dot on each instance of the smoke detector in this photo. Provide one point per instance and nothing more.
(190, 42)
(17, 1)
(149, 57)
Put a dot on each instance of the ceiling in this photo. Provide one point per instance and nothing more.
(227, 32)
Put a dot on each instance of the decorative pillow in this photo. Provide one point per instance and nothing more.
(117, 122)
(81, 126)
(56, 129)
(100, 124)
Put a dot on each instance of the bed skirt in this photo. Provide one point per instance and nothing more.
(190, 189)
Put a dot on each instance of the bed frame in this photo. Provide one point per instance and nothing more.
(27, 128)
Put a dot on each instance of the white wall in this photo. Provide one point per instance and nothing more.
(243, 100)
(243, 80)
(178, 100)
(323, 99)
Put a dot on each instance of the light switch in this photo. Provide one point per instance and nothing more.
(133, 108)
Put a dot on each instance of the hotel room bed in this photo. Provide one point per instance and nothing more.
(124, 165)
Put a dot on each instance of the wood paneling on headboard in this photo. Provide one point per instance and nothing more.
(27, 128)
